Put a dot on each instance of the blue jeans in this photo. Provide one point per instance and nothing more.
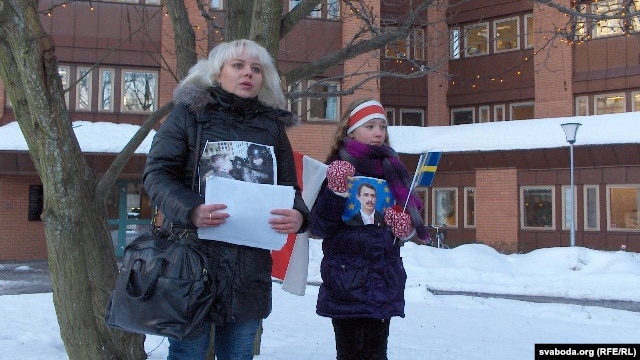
(233, 341)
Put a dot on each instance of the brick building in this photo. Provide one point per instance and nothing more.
(490, 61)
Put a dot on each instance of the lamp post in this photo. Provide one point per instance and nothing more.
(570, 130)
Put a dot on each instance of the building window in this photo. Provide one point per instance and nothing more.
(635, 101)
(333, 9)
(106, 90)
(64, 71)
(454, 43)
(411, 117)
(469, 207)
(498, 112)
(315, 13)
(216, 4)
(609, 104)
(83, 89)
(591, 207)
(477, 39)
(445, 206)
(582, 106)
(528, 31)
(324, 108)
(569, 208)
(139, 90)
(506, 33)
(391, 116)
(397, 50)
(521, 111)
(607, 27)
(483, 114)
(462, 116)
(622, 203)
(536, 207)
(295, 104)
(417, 44)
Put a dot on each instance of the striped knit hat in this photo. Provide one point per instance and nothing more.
(364, 112)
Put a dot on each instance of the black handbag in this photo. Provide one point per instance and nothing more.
(163, 287)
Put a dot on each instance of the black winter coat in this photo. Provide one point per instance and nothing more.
(241, 275)
(362, 271)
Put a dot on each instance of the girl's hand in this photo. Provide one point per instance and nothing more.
(209, 215)
(288, 221)
(337, 174)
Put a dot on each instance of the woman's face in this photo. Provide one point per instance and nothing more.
(373, 132)
(241, 76)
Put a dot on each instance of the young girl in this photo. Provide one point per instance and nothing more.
(363, 277)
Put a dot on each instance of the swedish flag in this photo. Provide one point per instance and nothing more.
(427, 167)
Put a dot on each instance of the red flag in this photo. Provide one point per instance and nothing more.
(291, 263)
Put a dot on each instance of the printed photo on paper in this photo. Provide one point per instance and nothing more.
(367, 200)
(239, 160)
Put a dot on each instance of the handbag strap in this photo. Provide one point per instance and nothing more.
(150, 287)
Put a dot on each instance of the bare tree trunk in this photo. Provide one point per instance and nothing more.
(81, 256)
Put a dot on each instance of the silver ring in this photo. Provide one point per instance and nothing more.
(209, 216)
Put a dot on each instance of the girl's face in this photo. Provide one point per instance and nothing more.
(373, 132)
(241, 76)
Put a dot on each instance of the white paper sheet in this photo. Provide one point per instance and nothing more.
(249, 206)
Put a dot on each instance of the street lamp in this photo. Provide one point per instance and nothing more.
(570, 130)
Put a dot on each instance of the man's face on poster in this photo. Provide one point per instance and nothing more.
(367, 198)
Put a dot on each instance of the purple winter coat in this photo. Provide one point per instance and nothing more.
(362, 271)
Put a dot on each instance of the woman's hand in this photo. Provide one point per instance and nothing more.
(288, 221)
(209, 215)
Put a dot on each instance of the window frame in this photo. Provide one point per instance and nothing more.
(519, 104)
(216, 4)
(468, 49)
(465, 109)
(496, 23)
(609, 187)
(65, 82)
(391, 115)
(154, 93)
(406, 111)
(484, 114)
(101, 89)
(528, 31)
(455, 42)
(312, 83)
(499, 108)
(523, 224)
(435, 207)
(467, 225)
(620, 95)
(635, 105)
(586, 206)
(89, 83)
(582, 100)
(297, 101)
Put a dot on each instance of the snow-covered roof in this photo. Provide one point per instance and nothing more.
(516, 135)
(105, 137)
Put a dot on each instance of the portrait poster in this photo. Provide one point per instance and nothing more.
(370, 195)
(239, 160)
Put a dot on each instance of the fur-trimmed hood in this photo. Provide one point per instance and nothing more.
(199, 96)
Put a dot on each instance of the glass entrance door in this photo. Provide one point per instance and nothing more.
(129, 212)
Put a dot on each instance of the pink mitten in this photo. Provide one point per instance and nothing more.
(337, 174)
(399, 221)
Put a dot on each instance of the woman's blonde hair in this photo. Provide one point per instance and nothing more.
(207, 70)
(341, 130)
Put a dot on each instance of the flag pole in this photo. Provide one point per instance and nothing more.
(415, 176)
